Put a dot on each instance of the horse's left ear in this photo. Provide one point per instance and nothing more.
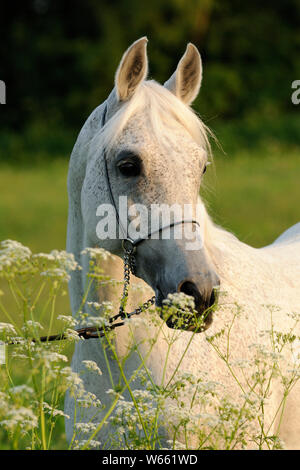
(132, 70)
(186, 80)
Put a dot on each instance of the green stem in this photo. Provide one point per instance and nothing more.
(42, 414)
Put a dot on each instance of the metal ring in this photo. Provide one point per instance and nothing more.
(128, 246)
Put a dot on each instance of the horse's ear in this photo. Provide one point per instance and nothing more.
(186, 80)
(132, 70)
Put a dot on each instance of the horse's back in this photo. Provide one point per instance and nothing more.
(284, 252)
(291, 235)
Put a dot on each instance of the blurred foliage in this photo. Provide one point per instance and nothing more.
(38, 143)
(58, 58)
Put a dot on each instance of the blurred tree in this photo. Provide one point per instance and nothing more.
(58, 58)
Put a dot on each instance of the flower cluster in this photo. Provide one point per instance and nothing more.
(177, 411)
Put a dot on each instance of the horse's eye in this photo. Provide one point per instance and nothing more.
(204, 169)
(129, 168)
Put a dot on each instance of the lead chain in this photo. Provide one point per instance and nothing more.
(98, 332)
(129, 266)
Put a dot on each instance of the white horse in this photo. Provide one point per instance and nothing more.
(157, 150)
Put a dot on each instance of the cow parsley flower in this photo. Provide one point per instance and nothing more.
(21, 390)
(7, 329)
(93, 444)
(86, 428)
(180, 300)
(14, 258)
(59, 264)
(97, 252)
(68, 320)
(92, 366)
(50, 356)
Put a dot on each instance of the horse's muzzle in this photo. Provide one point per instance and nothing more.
(201, 317)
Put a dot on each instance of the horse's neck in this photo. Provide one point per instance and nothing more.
(229, 254)
(254, 276)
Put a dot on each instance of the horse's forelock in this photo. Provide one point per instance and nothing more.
(164, 112)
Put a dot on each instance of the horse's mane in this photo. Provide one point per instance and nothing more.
(164, 111)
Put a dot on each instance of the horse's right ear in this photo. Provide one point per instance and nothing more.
(132, 70)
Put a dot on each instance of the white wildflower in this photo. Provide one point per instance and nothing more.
(97, 252)
(114, 394)
(20, 340)
(54, 411)
(21, 390)
(44, 256)
(21, 416)
(121, 430)
(88, 399)
(59, 264)
(107, 306)
(73, 381)
(86, 428)
(71, 335)
(57, 273)
(7, 328)
(92, 366)
(50, 356)
(68, 320)
(89, 320)
(93, 444)
(95, 305)
(62, 258)
(180, 300)
(30, 324)
(14, 257)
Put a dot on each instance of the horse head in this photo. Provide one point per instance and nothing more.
(155, 150)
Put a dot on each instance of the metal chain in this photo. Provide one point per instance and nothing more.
(129, 267)
(98, 332)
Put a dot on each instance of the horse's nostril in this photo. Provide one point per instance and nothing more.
(189, 288)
